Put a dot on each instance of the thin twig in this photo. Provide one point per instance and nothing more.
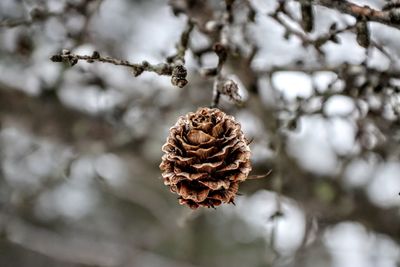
(221, 48)
(317, 42)
(260, 176)
(174, 66)
(182, 45)
(137, 68)
(216, 96)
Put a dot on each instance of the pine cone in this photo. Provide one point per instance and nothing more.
(206, 157)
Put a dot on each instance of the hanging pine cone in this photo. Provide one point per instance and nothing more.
(206, 157)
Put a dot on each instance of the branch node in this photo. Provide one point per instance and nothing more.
(178, 77)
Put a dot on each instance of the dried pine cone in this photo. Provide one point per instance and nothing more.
(206, 157)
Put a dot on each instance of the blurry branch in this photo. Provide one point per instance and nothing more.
(13, 254)
(307, 15)
(228, 16)
(360, 83)
(182, 45)
(346, 204)
(361, 27)
(221, 47)
(338, 69)
(228, 88)
(384, 51)
(273, 220)
(317, 42)
(50, 118)
(83, 249)
(389, 17)
(11, 23)
(46, 116)
(251, 13)
(363, 33)
(359, 208)
(174, 66)
(41, 14)
(216, 26)
(84, 9)
(87, 13)
(37, 14)
(222, 54)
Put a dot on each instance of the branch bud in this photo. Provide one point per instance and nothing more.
(363, 34)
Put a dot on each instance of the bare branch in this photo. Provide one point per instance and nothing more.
(177, 72)
(182, 45)
(387, 17)
(137, 69)
(174, 66)
(317, 42)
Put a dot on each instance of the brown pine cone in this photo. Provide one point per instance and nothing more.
(206, 157)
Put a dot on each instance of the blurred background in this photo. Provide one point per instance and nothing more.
(80, 146)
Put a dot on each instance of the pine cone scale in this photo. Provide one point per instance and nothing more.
(207, 167)
(203, 153)
(216, 185)
(196, 137)
(193, 176)
(218, 129)
(187, 147)
(192, 193)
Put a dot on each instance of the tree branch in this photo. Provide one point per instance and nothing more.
(387, 17)
(137, 69)
(177, 72)
(174, 66)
